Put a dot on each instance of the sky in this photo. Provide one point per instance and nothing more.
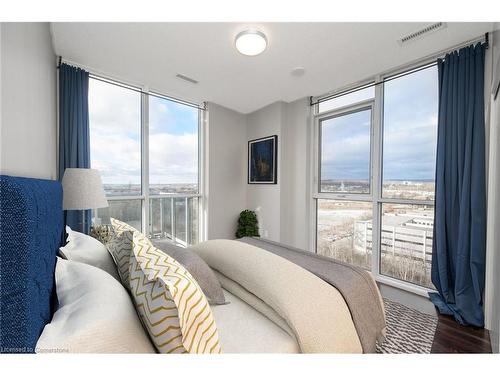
(409, 139)
(345, 146)
(410, 132)
(115, 137)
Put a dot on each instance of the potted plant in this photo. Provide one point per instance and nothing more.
(247, 225)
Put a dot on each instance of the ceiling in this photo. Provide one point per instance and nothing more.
(333, 55)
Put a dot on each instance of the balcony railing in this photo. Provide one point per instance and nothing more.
(406, 253)
(174, 218)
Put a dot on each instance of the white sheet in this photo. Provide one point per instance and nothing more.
(242, 329)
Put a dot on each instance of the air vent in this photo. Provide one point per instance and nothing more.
(420, 33)
(187, 79)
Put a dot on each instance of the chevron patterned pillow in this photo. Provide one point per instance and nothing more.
(170, 302)
(120, 248)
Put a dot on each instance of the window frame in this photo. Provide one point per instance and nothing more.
(145, 195)
(376, 170)
(340, 112)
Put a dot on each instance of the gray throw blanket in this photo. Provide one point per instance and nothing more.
(355, 284)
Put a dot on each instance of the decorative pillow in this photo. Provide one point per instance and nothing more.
(120, 248)
(197, 267)
(170, 302)
(86, 249)
(95, 315)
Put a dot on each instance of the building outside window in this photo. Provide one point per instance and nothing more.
(146, 147)
(376, 160)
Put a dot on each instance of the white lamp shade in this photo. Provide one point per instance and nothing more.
(82, 189)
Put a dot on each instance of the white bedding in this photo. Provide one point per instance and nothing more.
(242, 329)
(316, 314)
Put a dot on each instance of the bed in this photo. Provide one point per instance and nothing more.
(280, 299)
(31, 226)
(253, 328)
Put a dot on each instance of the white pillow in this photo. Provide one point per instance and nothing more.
(86, 249)
(95, 315)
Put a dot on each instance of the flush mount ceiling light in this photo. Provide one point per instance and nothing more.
(251, 42)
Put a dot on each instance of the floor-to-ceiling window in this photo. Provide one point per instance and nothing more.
(344, 200)
(173, 170)
(147, 149)
(115, 148)
(409, 138)
(374, 191)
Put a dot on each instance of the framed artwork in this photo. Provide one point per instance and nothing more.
(262, 160)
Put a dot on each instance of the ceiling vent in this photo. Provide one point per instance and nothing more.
(422, 32)
(186, 78)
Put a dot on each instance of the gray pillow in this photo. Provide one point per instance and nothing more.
(197, 267)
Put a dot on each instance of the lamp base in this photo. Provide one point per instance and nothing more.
(82, 225)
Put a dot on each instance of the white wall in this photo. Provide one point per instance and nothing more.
(283, 208)
(265, 198)
(227, 173)
(492, 306)
(28, 101)
(295, 174)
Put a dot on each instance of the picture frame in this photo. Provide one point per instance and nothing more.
(263, 160)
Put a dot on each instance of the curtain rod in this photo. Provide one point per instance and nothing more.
(373, 84)
(132, 88)
(394, 76)
(160, 96)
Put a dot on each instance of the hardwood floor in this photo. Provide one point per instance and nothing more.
(451, 337)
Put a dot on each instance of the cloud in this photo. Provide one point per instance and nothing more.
(173, 158)
(410, 149)
(409, 139)
(117, 157)
(114, 109)
(166, 116)
(346, 147)
(115, 137)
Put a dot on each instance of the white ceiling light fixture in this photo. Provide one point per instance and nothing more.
(251, 42)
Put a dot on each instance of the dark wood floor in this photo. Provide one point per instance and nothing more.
(451, 337)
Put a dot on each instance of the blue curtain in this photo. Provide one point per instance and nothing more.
(74, 137)
(459, 245)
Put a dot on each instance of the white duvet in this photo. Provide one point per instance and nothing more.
(294, 299)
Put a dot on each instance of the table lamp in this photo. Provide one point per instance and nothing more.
(82, 190)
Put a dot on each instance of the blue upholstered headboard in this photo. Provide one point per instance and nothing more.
(31, 227)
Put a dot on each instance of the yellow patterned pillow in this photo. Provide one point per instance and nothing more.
(170, 302)
(120, 248)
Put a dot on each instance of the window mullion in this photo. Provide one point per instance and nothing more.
(203, 168)
(407, 201)
(377, 151)
(314, 178)
(346, 197)
(145, 162)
